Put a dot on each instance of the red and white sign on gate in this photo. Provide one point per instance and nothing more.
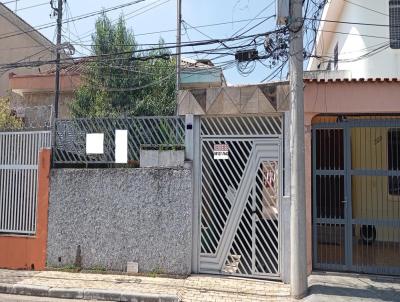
(221, 151)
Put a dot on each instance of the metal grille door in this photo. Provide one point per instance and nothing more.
(240, 196)
(356, 195)
(18, 180)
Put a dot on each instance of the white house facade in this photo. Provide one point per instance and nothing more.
(360, 37)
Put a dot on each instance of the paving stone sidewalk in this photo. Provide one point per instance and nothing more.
(139, 288)
(335, 287)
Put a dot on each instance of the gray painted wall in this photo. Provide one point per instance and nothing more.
(120, 215)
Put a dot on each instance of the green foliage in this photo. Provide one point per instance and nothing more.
(7, 119)
(118, 83)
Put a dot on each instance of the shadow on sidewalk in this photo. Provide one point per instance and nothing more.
(369, 292)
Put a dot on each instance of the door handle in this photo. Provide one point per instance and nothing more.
(343, 201)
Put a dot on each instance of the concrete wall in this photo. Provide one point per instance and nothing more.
(120, 215)
(33, 101)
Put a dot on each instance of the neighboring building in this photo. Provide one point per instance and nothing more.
(353, 171)
(345, 43)
(201, 74)
(20, 42)
(352, 138)
(37, 90)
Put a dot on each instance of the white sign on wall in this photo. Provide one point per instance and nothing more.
(221, 151)
(121, 146)
(94, 143)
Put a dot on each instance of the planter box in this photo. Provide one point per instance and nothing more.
(162, 158)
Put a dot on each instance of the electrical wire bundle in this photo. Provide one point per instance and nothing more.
(272, 46)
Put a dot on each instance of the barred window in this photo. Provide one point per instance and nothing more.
(394, 23)
(394, 160)
(336, 56)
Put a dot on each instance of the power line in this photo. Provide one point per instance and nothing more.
(88, 33)
(251, 20)
(168, 44)
(68, 11)
(324, 59)
(352, 23)
(144, 58)
(354, 34)
(134, 88)
(198, 26)
(259, 13)
(80, 17)
(32, 6)
(362, 49)
(367, 8)
(8, 2)
(198, 42)
(187, 35)
(273, 74)
(28, 57)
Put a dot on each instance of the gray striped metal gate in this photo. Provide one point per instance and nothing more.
(356, 194)
(18, 179)
(241, 177)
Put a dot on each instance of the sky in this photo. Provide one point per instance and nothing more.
(160, 15)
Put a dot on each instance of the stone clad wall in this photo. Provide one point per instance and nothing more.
(120, 215)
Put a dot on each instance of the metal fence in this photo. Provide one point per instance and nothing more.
(70, 142)
(35, 118)
(22, 134)
(18, 179)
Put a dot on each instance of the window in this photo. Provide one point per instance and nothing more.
(394, 160)
(394, 23)
(329, 66)
(336, 56)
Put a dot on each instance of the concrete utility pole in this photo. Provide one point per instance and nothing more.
(59, 11)
(298, 244)
(178, 46)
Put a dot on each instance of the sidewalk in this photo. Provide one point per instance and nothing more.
(335, 287)
(138, 288)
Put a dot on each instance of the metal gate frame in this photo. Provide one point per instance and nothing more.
(19, 153)
(256, 138)
(347, 173)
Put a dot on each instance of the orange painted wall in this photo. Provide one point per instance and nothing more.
(29, 252)
(341, 97)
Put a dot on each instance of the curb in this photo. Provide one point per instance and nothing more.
(83, 293)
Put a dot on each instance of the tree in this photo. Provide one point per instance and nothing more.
(8, 120)
(121, 80)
